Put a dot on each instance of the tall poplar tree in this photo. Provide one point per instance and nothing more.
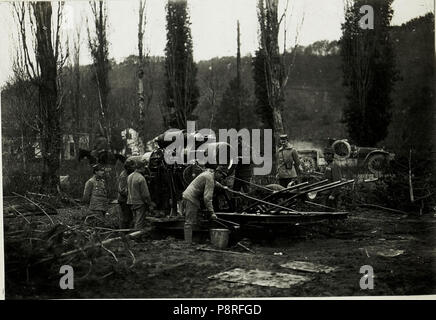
(182, 92)
(369, 71)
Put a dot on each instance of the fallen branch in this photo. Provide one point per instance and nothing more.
(223, 251)
(111, 252)
(134, 259)
(106, 275)
(412, 199)
(13, 233)
(89, 271)
(38, 206)
(96, 245)
(425, 197)
(109, 229)
(244, 247)
(40, 194)
(319, 205)
(380, 207)
(20, 214)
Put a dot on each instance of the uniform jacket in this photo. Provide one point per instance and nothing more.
(137, 190)
(201, 188)
(287, 160)
(95, 194)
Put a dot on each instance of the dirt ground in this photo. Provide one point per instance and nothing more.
(165, 267)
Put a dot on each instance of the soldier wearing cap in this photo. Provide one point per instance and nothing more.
(288, 162)
(138, 195)
(199, 191)
(95, 194)
(126, 216)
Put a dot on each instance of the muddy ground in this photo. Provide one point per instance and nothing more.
(165, 267)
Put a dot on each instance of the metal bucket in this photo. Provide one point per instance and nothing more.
(219, 238)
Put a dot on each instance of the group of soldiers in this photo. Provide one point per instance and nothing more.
(136, 203)
(133, 194)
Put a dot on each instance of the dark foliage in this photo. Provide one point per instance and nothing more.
(413, 117)
(369, 73)
(182, 92)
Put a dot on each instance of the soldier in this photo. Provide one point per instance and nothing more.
(288, 162)
(126, 216)
(333, 173)
(138, 195)
(200, 190)
(95, 193)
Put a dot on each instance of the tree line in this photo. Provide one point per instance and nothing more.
(299, 91)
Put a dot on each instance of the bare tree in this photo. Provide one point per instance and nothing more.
(145, 97)
(99, 47)
(40, 30)
(141, 27)
(213, 86)
(274, 66)
(77, 126)
(238, 75)
(235, 97)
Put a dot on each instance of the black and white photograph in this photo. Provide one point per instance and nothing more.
(217, 149)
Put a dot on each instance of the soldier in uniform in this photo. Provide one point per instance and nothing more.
(138, 195)
(126, 216)
(199, 191)
(288, 162)
(95, 194)
(333, 173)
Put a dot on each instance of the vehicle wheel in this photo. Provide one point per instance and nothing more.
(377, 164)
(308, 164)
(341, 149)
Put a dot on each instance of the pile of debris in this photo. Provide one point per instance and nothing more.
(40, 238)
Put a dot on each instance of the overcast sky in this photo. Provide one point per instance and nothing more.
(213, 25)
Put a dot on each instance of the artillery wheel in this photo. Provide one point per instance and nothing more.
(377, 164)
(191, 172)
(308, 164)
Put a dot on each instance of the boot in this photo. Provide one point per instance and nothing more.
(188, 234)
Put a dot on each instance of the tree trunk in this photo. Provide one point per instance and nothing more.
(141, 104)
(49, 113)
(278, 122)
(76, 111)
